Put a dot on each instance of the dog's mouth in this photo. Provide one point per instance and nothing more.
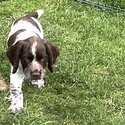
(35, 77)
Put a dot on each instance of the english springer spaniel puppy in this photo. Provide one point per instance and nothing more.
(29, 53)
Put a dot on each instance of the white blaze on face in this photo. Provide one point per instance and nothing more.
(35, 65)
(34, 49)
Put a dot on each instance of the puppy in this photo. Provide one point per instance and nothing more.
(29, 54)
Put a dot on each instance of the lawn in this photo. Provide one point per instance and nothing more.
(116, 3)
(88, 83)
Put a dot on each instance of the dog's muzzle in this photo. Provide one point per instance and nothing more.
(35, 75)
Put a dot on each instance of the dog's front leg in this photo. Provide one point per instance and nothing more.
(16, 95)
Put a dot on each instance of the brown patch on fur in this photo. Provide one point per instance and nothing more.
(32, 14)
(52, 52)
(12, 38)
(13, 53)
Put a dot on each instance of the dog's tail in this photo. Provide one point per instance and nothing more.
(36, 14)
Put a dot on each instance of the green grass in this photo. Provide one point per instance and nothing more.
(88, 83)
(116, 3)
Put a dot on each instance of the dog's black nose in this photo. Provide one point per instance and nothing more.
(35, 75)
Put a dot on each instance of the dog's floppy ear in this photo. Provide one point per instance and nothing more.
(52, 53)
(13, 53)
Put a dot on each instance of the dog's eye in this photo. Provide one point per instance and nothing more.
(28, 59)
(42, 60)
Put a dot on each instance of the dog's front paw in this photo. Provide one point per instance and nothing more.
(15, 109)
(39, 83)
(16, 105)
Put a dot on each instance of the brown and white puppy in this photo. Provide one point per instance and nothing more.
(28, 54)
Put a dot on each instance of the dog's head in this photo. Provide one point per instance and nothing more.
(35, 54)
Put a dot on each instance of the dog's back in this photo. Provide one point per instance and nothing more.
(26, 26)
